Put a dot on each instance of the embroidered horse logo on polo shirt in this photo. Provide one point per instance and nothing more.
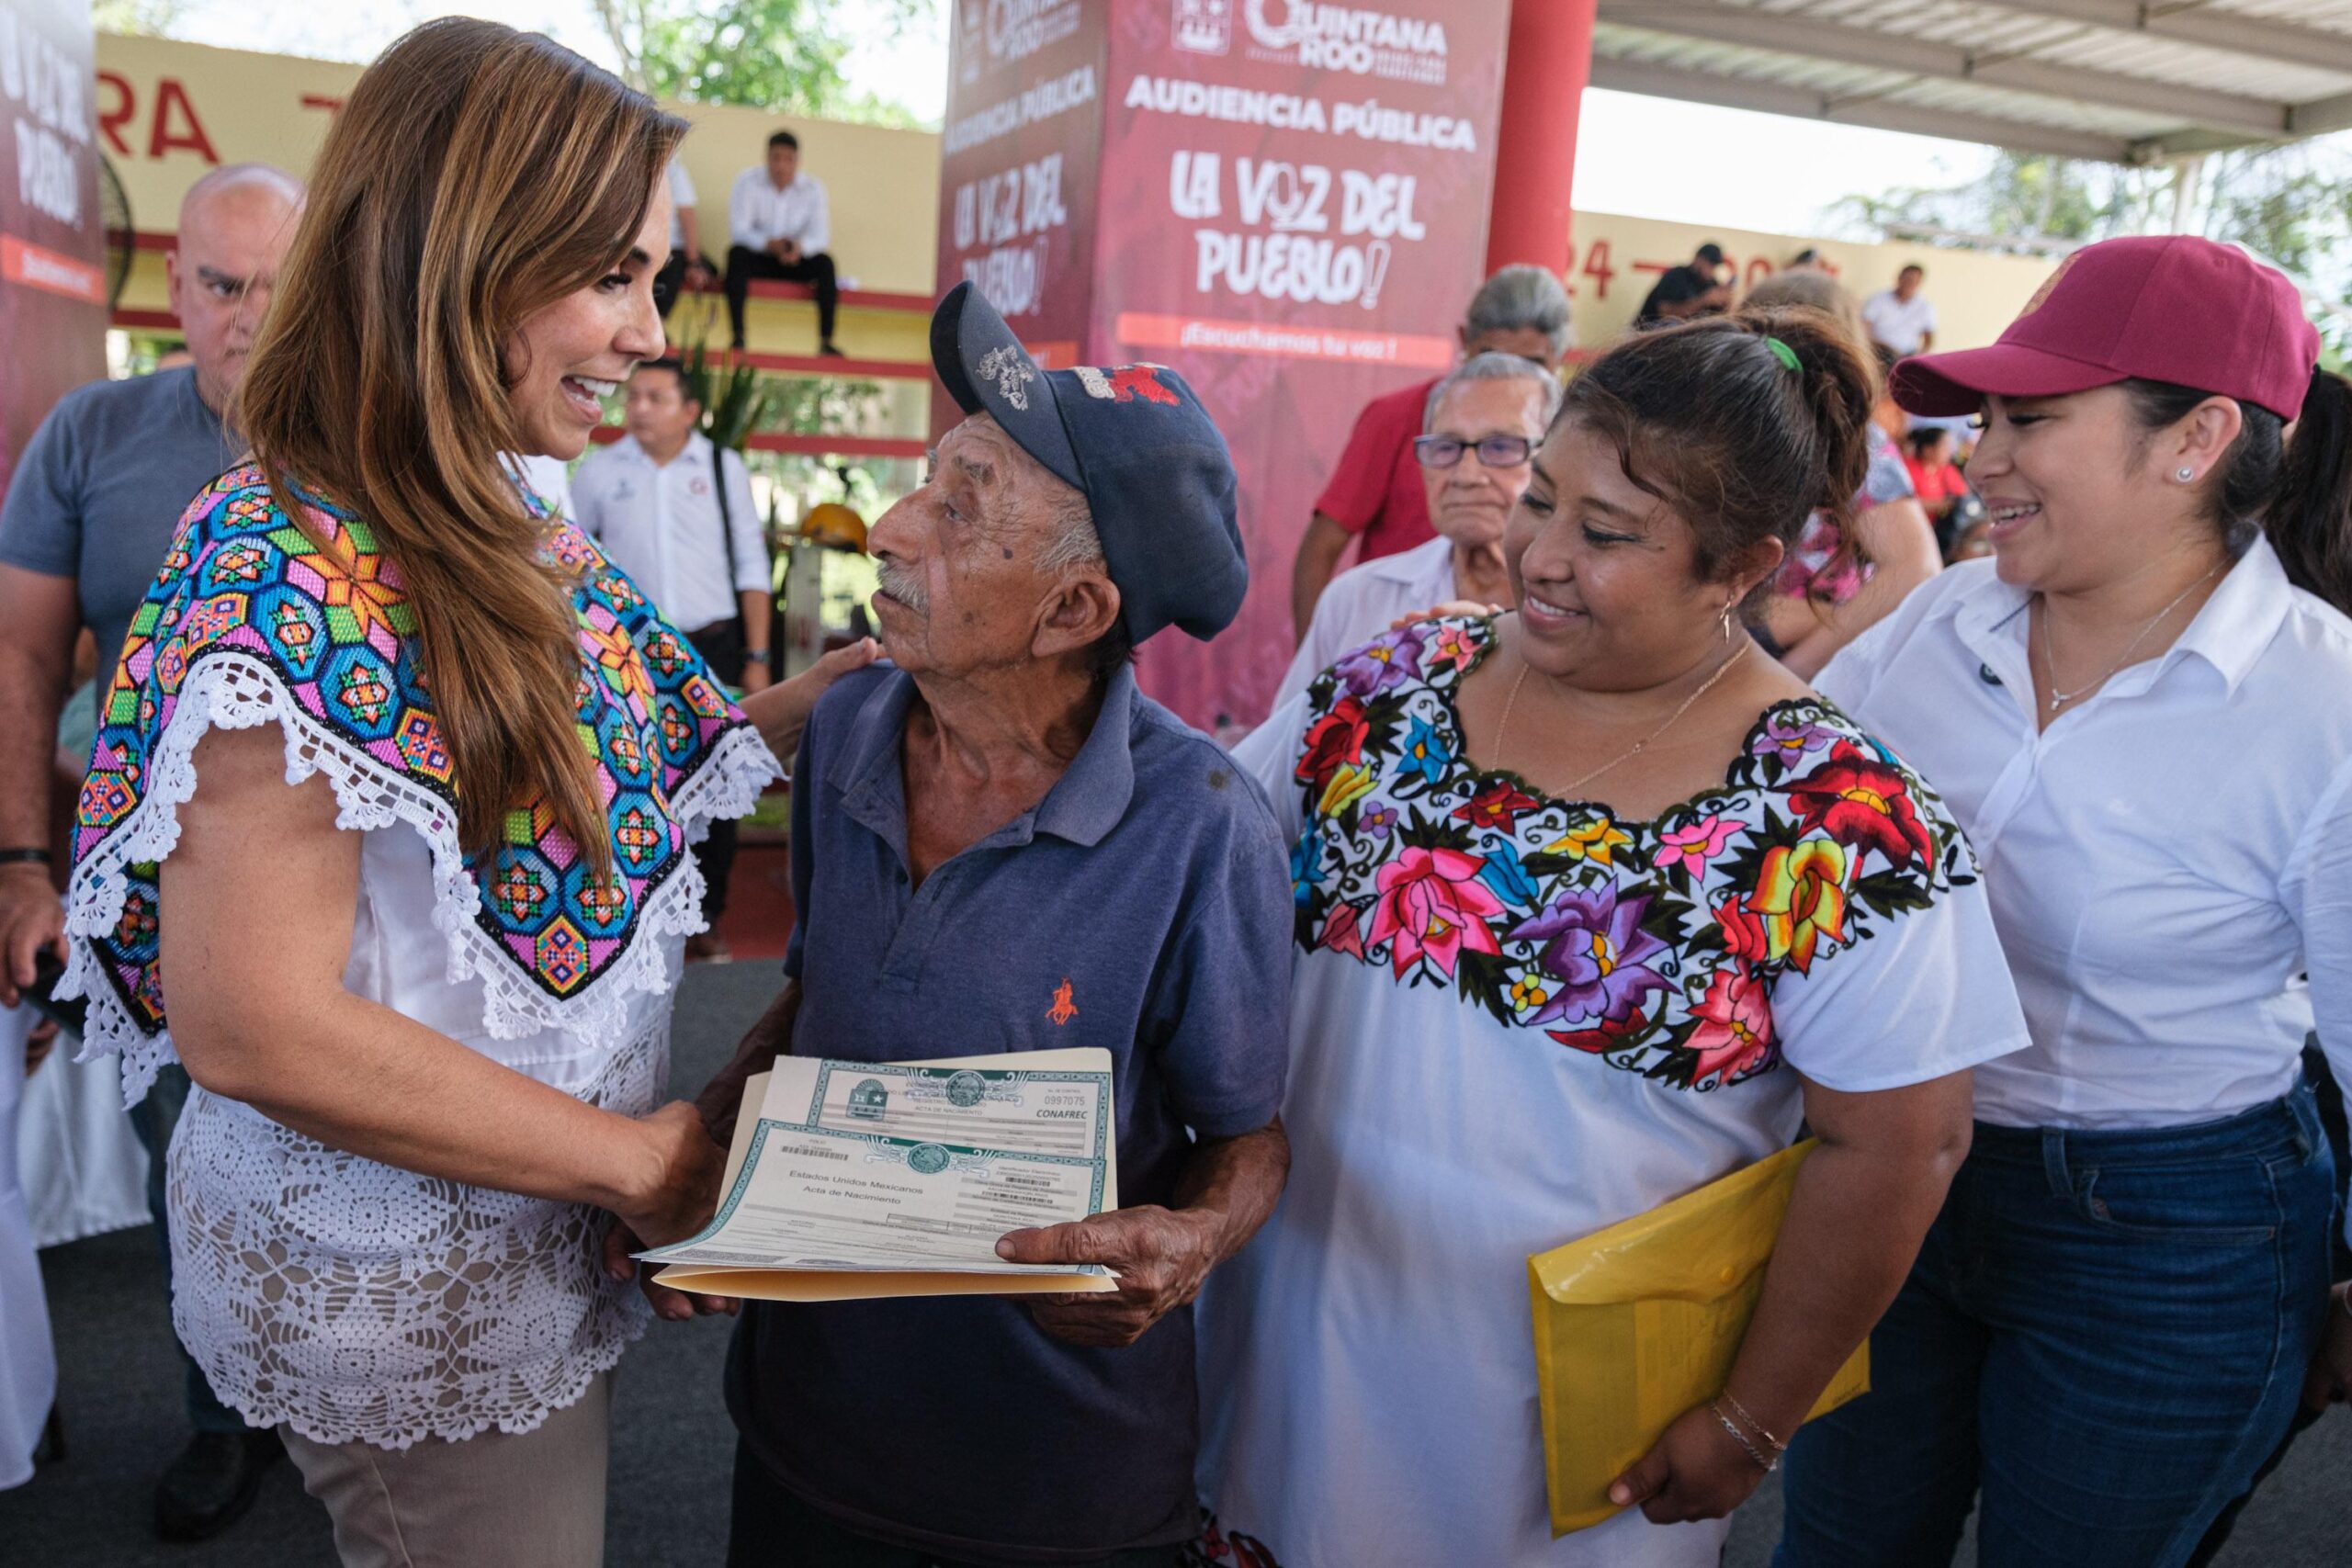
(1063, 1010)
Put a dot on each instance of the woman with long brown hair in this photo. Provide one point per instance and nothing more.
(415, 934)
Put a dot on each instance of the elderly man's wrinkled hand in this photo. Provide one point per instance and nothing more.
(673, 1306)
(1161, 1257)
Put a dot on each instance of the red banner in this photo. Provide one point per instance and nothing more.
(52, 239)
(1294, 215)
(1284, 201)
(1020, 162)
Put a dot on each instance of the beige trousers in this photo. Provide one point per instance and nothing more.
(532, 1500)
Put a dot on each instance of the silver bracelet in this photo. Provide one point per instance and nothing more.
(1761, 1430)
(1767, 1465)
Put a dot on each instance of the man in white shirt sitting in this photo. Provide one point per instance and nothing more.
(1901, 317)
(780, 229)
(676, 513)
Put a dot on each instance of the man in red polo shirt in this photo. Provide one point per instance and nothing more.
(1375, 490)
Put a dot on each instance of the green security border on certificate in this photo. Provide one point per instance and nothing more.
(1099, 1082)
(759, 1141)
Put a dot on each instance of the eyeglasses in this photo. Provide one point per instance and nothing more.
(1495, 451)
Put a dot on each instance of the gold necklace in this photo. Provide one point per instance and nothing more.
(2059, 699)
(1502, 729)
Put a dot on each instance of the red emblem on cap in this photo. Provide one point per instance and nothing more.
(1139, 380)
(1126, 383)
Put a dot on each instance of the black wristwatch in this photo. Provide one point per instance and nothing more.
(35, 856)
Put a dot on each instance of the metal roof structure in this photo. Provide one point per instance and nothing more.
(2115, 80)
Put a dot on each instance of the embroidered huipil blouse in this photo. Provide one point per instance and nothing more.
(1516, 1019)
(352, 1299)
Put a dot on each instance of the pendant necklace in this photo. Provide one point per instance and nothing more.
(1502, 729)
(2059, 699)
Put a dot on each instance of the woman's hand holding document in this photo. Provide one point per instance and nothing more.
(862, 1178)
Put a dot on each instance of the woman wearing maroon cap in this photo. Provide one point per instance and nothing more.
(2142, 713)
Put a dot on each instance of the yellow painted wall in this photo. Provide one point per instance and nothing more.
(1975, 294)
(884, 187)
(883, 184)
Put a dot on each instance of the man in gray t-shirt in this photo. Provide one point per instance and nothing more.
(93, 500)
(87, 519)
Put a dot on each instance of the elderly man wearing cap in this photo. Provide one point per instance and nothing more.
(2141, 711)
(1000, 844)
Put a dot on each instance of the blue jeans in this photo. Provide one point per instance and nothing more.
(2105, 1334)
(152, 1118)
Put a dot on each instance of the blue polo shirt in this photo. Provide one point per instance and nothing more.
(1144, 907)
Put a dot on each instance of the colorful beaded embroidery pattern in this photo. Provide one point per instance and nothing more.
(330, 626)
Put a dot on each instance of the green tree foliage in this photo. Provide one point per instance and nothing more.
(149, 18)
(2291, 206)
(785, 55)
(2026, 194)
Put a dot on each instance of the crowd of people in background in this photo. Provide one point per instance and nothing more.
(1666, 777)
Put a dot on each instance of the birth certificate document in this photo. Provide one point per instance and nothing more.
(912, 1167)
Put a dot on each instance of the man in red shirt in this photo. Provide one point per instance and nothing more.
(1375, 489)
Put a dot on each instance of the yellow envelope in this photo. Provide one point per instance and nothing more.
(1640, 1322)
(844, 1285)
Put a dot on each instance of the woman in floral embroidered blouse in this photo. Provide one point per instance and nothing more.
(385, 833)
(1521, 1014)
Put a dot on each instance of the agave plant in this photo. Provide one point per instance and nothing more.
(736, 400)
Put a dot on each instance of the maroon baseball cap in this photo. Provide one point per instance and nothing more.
(2157, 307)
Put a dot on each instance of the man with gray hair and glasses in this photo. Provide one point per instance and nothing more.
(1376, 490)
(1480, 427)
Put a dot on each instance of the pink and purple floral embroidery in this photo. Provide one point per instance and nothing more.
(1653, 945)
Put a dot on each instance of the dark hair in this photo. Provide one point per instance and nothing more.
(783, 138)
(1708, 417)
(676, 367)
(1922, 440)
(1676, 286)
(1910, 266)
(2298, 491)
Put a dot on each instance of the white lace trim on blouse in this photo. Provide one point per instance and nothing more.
(236, 691)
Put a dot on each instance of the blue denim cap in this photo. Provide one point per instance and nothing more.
(1135, 442)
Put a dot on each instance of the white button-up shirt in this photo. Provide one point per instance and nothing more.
(682, 196)
(1901, 324)
(660, 524)
(2167, 861)
(758, 212)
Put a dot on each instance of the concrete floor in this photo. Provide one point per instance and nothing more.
(671, 1442)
